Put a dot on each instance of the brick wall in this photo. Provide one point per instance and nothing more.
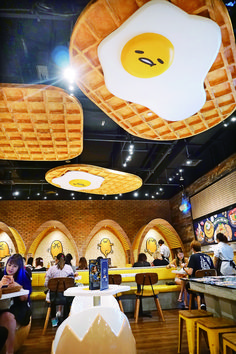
(183, 223)
(80, 217)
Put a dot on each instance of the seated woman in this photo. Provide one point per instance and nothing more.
(39, 265)
(142, 261)
(59, 270)
(179, 262)
(83, 263)
(19, 312)
(159, 260)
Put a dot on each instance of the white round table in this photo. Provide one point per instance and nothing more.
(85, 298)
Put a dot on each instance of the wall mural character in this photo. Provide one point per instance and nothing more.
(4, 250)
(105, 246)
(56, 247)
(151, 245)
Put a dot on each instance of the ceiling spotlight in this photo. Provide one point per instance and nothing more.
(157, 192)
(188, 162)
(73, 198)
(131, 146)
(16, 193)
(135, 194)
(128, 158)
(181, 178)
(116, 197)
(0, 197)
(120, 194)
(103, 123)
(45, 197)
(225, 124)
(153, 196)
(160, 189)
(146, 194)
(38, 193)
(125, 164)
(233, 119)
(71, 88)
(180, 170)
(72, 194)
(90, 197)
(56, 194)
(69, 74)
(170, 178)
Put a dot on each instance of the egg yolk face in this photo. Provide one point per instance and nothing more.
(147, 55)
(79, 183)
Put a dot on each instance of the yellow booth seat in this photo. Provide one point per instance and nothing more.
(128, 277)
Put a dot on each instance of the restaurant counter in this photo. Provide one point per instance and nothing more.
(219, 293)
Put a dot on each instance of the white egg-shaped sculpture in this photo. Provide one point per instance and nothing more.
(95, 330)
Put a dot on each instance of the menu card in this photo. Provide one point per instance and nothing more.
(98, 274)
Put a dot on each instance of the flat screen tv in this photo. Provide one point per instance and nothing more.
(207, 227)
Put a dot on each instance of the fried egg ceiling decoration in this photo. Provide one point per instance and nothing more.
(92, 179)
(159, 58)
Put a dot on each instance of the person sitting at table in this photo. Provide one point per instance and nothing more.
(178, 263)
(68, 259)
(39, 265)
(158, 260)
(223, 256)
(19, 312)
(83, 263)
(142, 261)
(59, 270)
(197, 261)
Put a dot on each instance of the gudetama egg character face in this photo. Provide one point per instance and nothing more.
(151, 245)
(147, 55)
(79, 183)
(105, 246)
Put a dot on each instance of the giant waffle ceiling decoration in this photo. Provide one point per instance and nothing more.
(92, 179)
(40, 123)
(101, 18)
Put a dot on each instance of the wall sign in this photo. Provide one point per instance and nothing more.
(206, 228)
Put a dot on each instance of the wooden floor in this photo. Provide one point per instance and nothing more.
(151, 335)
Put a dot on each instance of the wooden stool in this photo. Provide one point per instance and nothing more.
(213, 326)
(190, 318)
(229, 342)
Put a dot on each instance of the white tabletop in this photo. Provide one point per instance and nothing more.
(84, 291)
(180, 271)
(14, 294)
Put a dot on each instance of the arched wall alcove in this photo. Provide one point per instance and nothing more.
(51, 237)
(117, 242)
(10, 242)
(148, 236)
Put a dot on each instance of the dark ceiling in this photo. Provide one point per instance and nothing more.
(30, 33)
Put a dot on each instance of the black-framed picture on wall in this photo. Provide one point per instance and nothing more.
(207, 227)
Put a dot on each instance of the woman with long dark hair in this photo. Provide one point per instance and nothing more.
(59, 270)
(19, 312)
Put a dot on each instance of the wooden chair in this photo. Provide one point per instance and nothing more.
(143, 280)
(117, 279)
(57, 285)
(200, 274)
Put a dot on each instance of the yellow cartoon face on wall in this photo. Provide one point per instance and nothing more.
(56, 247)
(151, 245)
(4, 250)
(106, 246)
